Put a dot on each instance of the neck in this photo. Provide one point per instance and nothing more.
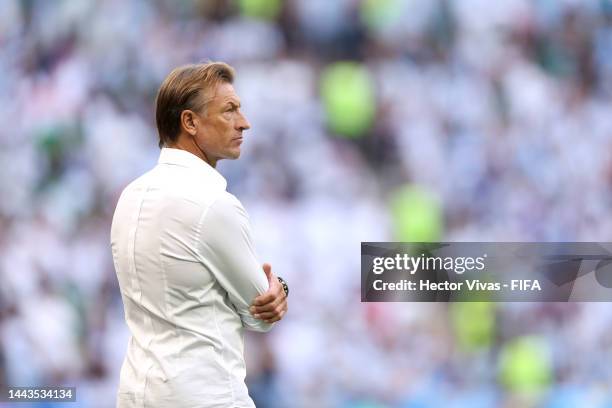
(192, 147)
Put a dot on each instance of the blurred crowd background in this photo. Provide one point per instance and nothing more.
(372, 120)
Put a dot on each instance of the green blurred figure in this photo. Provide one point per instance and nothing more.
(473, 324)
(525, 367)
(347, 92)
(416, 214)
(377, 14)
(260, 9)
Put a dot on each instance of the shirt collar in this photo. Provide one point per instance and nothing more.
(183, 158)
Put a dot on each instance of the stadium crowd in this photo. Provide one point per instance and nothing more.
(372, 120)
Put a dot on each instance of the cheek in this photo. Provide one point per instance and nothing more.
(216, 132)
(224, 123)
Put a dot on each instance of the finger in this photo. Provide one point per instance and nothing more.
(267, 268)
(277, 318)
(275, 292)
(270, 305)
(264, 299)
(278, 312)
(262, 309)
(266, 308)
(271, 313)
(266, 315)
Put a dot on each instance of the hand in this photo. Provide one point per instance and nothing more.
(272, 305)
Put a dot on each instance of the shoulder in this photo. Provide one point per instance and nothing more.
(228, 200)
(138, 183)
(175, 191)
(227, 210)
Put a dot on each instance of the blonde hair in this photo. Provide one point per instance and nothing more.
(188, 87)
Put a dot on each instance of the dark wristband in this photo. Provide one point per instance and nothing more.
(285, 287)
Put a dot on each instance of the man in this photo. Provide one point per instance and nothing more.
(182, 249)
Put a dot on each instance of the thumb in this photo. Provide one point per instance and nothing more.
(268, 271)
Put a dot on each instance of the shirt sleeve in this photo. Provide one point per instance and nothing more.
(227, 250)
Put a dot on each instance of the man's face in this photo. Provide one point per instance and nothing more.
(219, 133)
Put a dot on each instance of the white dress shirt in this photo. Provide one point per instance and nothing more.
(188, 273)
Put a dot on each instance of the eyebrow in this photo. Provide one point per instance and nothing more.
(233, 103)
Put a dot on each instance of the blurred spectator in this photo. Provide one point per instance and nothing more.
(497, 112)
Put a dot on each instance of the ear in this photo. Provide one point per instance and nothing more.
(189, 122)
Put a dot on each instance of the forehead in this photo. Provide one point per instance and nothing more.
(225, 92)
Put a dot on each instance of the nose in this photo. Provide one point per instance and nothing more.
(243, 123)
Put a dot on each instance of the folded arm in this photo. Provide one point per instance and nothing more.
(227, 251)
